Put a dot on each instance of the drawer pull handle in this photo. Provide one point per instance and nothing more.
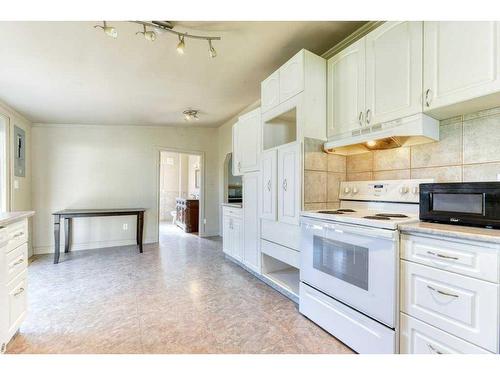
(441, 292)
(18, 234)
(433, 349)
(20, 261)
(442, 255)
(18, 292)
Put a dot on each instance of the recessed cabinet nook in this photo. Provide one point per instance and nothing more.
(393, 84)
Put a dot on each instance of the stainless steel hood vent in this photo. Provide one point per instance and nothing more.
(406, 131)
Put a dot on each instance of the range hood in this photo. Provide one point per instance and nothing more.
(407, 131)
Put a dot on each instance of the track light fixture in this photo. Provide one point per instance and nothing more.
(181, 45)
(148, 35)
(211, 50)
(190, 114)
(163, 26)
(108, 30)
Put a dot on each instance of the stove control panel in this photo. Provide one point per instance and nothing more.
(385, 191)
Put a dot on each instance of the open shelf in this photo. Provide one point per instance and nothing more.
(280, 130)
(287, 278)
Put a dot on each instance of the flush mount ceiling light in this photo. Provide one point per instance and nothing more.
(108, 30)
(190, 114)
(164, 26)
(148, 35)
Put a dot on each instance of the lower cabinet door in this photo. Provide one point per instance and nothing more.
(417, 337)
(226, 235)
(237, 239)
(17, 302)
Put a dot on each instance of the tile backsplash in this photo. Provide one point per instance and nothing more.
(468, 150)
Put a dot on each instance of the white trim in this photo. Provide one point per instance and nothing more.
(210, 234)
(38, 250)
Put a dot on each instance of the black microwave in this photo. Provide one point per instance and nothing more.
(462, 203)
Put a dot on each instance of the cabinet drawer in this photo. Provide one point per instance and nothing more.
(17, 262)
(460, 305)
(463, 257)
(282, 253)
(232, 211)
(417, 337)
(18, 301)
(17, 234)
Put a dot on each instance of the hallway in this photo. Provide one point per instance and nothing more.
(179, 296)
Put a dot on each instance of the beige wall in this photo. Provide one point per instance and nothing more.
(78, 166)
(468, 150)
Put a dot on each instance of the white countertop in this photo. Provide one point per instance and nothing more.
(454, 231)
(9, 217)
(234, 205)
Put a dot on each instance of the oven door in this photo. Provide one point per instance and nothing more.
(353, 264)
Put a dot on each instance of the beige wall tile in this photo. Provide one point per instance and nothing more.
(315, 161)
(334, 180)
(481, 172)
(336, 163)
(486, 112)
(315, 184)
(360, 162)
(482, 140)
(314, 206)
(396, 158)
(397, 174)
(448, 151)
(359, 176)
(439, 174)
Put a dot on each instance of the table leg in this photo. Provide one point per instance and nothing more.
(57, 237)
(140, 229)
(67, 233)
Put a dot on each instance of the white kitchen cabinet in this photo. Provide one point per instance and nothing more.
(376, 79)
(289, 183)
(461, 66)
(393, 72)
(232, 232)
(270, 91)
(251, 221)
(237, 238)
(346, 89)
(269, 176)
(291, 77)
(246, 143)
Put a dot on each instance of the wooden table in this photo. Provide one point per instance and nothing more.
(68, 215)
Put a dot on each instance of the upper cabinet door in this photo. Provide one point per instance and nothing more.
(270, 91)
(393, 72)
(291, 77)
(346, 89)
(248, 140)
(268, 185)
(289, 183)
(236, 157)
(461, 61)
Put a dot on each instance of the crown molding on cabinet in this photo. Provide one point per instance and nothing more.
(358, 34)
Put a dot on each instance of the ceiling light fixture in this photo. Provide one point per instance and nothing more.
(181, 45)
(108, 30)
(371, 143)
(148, 35)
(190, 114)
(211, 50)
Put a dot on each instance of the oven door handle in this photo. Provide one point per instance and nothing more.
(359, 230)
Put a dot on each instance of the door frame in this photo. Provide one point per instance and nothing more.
(201, 216)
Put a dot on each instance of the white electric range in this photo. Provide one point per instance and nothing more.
(349, 257)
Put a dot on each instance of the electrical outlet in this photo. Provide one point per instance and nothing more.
(204, 221)
(125, 226)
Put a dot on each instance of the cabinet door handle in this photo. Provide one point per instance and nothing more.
(441, 292)
(239, 166)
(360, 118)
(18, 234)
(18, 292)
(368, 116)
(285, 184)
(442, 255)
(18, 262)
(428, 97)
(269, 185)
(433, 349)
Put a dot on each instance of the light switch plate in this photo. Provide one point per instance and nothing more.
(16, 184)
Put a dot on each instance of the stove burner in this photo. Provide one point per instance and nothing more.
(345, 210)
(330, 212)
(391, 215)
(377, 217)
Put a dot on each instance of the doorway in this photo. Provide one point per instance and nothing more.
(180, 194)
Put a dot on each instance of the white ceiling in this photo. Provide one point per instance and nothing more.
(71, 73)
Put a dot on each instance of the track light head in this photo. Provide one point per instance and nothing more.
(181, 45)
(108, 30)
(211, 50)
(148, 35)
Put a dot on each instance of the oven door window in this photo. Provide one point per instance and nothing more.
(342, 260)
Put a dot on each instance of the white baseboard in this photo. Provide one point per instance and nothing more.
(209, 234)
(38, 250)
